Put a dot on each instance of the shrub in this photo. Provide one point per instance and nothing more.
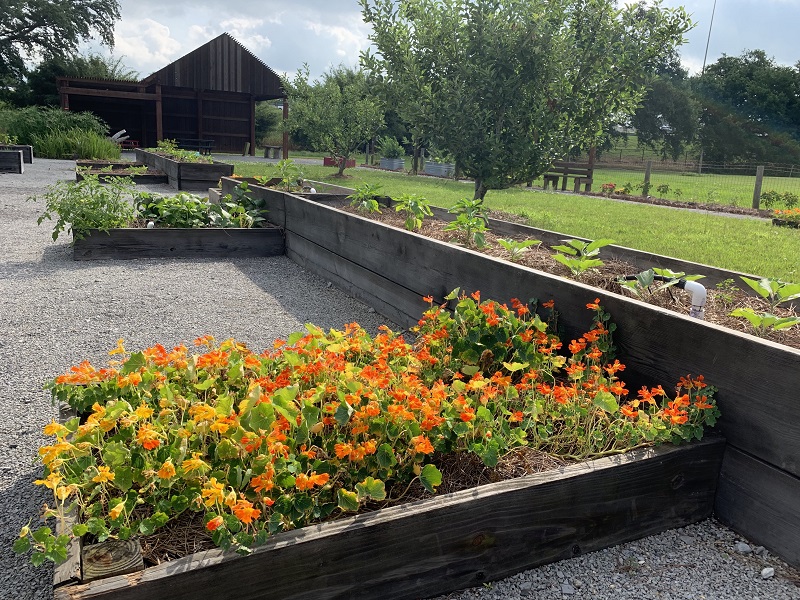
(27, 123)
(389, 147)
(75, 143)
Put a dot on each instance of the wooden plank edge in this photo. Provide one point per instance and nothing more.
(708, 452)
(761, 502)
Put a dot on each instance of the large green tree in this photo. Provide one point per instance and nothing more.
(751, 109)
(506, 86)
(49, 28)
(336, 114)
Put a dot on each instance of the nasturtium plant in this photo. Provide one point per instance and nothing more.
(323, 423)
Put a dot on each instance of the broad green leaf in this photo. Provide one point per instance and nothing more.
(123, 478)
(42, 534)
(386, 457)
(348, 501)
(515, 366)
(606, 401)
(134, 363)
(21, 545)
(371, 488)
(453, 295)
(343, 413)
(430, 477)
(205, 385)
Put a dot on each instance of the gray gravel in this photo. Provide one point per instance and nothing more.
(55, 312)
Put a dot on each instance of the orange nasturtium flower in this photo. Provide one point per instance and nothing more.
(115, 512)
(215, 523)
(167, 470)
(213, 492)
(143, 411)
(549, 304)
(306, 482)
(51, 481)
(194, 464)
(120, 349)
(147, 437)
(245, 512)
(103, 474)
(422, 445)
(56, 429)
(594, 305)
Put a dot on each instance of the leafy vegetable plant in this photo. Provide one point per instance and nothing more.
(763, 322)
(415, 207)
(579, 256)
(642, 285)
(78, 206)
(289, 172)
(364, 198)
(774, 291)
(517, 248)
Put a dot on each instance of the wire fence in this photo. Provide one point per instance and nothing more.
(768, 185)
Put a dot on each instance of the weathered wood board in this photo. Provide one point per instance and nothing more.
(180, 243)
(27, 151)
(186, 176)
(11, 162)
(449, 542)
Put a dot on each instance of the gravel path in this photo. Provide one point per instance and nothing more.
(55, 312)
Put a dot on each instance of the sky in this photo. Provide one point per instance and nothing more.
(285, 34)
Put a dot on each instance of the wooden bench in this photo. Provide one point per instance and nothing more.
(200, 145)
(580, 172)
(272, 151)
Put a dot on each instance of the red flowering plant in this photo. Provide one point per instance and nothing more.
(325, 422)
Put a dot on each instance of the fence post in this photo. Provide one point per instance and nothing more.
(646, 187)
(757, 190)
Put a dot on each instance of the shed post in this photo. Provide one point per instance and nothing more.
(159, 115)
(252, 125)
(285, 131)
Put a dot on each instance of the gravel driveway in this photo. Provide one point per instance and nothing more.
(55, 312)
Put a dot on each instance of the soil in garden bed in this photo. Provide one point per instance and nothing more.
(722, 300)
(460, 471)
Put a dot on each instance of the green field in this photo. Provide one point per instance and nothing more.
(747, 245)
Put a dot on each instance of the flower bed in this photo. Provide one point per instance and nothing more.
(789, 217)
(327, 423)
(139, 173)
(389, 268)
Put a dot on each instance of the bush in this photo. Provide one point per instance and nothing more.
(27, 123)
(389, 147)
(75, 143)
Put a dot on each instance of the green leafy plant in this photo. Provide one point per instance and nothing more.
(725, 291)
(5, 138)
(764, 322)
(663, 189)
(170, 149)
(364, 198)
(415, 207)
(183, 210)
(517, 248)
(389, 147)
(579, 256)
(79, 206)
(75, 143)
(290, 174)
(472, 229)
(472, 208)
(323, 423)
(772, 198)
(642, 285)
(774, 291)
(238, 209)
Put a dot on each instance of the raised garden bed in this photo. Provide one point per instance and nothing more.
(391, 269)
(27, 151)
(330, 161)
(449, 542)
(11, 161)
(130, 243)
(439, 169)
(106, 169)
(786, 223)
(190, 176)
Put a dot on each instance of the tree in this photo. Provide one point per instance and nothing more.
(751, 109)
(506, 87)
(268, 121)
(336, 115)
(50, 28)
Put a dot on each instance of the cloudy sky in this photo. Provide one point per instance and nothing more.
(324, 33)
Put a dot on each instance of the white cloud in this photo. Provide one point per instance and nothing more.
(149, 49)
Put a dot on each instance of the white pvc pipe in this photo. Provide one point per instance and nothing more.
(698, 294)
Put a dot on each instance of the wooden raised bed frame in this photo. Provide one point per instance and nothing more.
(453, 541)
(185, 175)
(165, 242)
(391, 269)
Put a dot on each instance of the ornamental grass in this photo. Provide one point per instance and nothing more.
(323, 423)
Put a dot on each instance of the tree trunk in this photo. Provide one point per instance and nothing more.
(480, 190)
(415, 161)
(342, 165)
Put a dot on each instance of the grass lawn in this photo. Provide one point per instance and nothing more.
(746, 245)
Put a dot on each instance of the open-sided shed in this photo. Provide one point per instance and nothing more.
(208, 94)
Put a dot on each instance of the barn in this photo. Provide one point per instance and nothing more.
(206, 99)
